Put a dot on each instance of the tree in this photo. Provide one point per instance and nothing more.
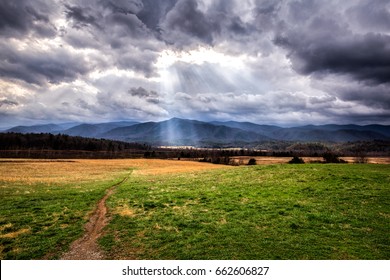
(360, 155)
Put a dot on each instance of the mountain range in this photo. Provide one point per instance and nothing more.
(197, 133)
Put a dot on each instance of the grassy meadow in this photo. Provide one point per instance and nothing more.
(190, 210)
(44, 204)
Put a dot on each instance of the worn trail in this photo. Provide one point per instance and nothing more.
(86, 247)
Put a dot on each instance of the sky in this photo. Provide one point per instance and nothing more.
(280, 62)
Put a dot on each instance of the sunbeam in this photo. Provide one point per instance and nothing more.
(188, 78)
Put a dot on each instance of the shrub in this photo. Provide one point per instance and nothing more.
(332, 158)
(296, 159)
(252, 161)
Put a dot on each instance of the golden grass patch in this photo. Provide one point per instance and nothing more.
(15, 233)
(125, 211)
(30, 172)
(43, 171)
(158, 166)
(3, 227)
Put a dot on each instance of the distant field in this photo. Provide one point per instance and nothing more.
(274, 160)
(190, 210)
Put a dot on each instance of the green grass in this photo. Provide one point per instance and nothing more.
(40, 220)
(310, 211)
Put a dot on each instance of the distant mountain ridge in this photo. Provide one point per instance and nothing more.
(320, 133)
(197, 133)
(183, 132)
(95, 130)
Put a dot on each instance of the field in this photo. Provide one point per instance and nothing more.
(45, 203)
(188, 210)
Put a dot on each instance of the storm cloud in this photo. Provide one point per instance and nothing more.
(331, 47)
(38, 67)
(21, 18)
(281, 62)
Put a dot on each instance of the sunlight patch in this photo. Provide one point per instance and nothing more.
(199, 56)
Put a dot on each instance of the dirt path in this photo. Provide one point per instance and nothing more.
(86, 247)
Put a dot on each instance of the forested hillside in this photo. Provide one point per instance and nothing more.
(45, 145)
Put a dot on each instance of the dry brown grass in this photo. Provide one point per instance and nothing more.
(157, 166)
(81, 170)
(378, 160)
(125, 211)
(42, 171)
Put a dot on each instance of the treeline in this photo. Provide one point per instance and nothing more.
(317, 149)
(279, 149)
(198, 153)
(46, 145)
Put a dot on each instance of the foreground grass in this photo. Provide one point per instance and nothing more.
(44, 204)
(261, 212)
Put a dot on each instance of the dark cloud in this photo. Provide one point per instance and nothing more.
(125, 26)
(7, 102)
(81, 39)
(142, 61)
(380, 93)
(325, 43)
(153, 12)
(18, 18)
(365, 57)
(343, 48)
(141, 92)
(113, 28)
(38, 67)
(374, 96)
(300, 11)
(125, 6)
(149, 96)
(374, 15)
(80, 17)
(189, 24)
(111, 22)
(227, 21)
(186, 18)
(266, 15)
